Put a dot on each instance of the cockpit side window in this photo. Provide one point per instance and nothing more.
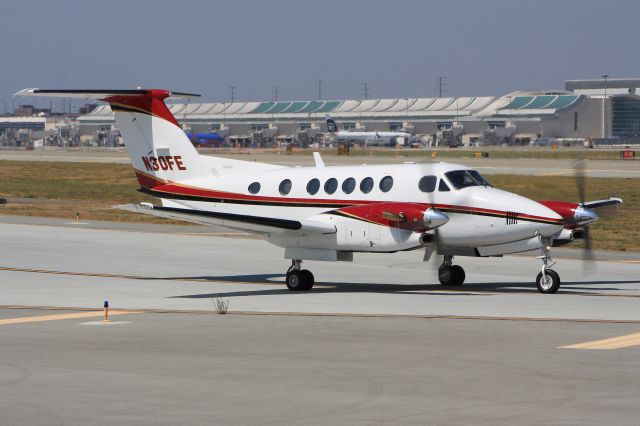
(443, 187)
(465, 178)
(479, 177)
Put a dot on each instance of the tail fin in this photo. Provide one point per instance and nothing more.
(332, 127)
(160, 151)
(158, 147)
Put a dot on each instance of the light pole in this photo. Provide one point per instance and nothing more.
(407, 111)
(605, 119)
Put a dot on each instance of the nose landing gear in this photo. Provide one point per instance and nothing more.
(299, 279)
(450, 275)
(548, 280)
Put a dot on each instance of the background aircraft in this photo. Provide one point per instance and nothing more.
(205, 139)
(367, 138)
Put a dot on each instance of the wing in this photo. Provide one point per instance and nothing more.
(247, 223)
(602, 203)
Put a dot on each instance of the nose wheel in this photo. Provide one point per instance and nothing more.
(299, 279)
(548, 280)
(450, 275)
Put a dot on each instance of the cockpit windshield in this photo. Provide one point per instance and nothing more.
(464, 178)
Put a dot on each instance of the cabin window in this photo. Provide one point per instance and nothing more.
(427, 183)
(254, 188)
(331, 185)
(443, 186)
(366, 185)
(313, 186)
(348, 185)
(285, 187)
(386, 184)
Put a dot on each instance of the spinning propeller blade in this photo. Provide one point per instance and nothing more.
(432, 251)
(587, 255)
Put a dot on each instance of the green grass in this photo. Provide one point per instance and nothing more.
(56, 189)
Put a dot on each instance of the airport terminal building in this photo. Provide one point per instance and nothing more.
(587, 110)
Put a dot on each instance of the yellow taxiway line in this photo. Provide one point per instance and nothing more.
(619, 342)
(63, 316)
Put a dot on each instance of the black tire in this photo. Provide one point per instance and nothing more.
(295, 281)
(457, 275)
(451, 275)
(444, 275)
(548, 287)
(307, 279)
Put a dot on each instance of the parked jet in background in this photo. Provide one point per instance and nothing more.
(367, 138)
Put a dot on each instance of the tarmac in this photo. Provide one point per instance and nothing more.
(376, 340)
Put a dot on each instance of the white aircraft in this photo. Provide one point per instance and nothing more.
(368, 138)
(329, 212)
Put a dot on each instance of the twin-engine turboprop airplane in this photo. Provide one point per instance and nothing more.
(328, 213)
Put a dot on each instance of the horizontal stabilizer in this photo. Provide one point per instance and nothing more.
(100, 93)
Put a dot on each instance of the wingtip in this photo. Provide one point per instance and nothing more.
(26, 92)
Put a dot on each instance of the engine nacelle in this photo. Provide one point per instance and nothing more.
(410, 216)
(574, 214)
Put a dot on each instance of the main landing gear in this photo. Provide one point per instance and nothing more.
(449, 274)
(299, 279)
(548, 280)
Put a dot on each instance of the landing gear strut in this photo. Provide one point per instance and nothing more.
(449, 274)
(299, 279)
(548, 280)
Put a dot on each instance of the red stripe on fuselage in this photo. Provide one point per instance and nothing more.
(176, 190)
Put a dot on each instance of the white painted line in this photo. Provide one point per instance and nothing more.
(105, 323)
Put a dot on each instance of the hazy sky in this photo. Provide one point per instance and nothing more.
(398, 47)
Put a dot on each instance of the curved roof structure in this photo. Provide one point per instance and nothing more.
(533, 104)
(514, 104)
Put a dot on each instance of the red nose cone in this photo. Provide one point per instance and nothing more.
(564, 209)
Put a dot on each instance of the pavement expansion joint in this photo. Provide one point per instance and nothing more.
(319, 314)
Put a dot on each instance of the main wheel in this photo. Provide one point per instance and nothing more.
(548, 284)
(295, 282)
(451, 275)
(307, 279)
(444, 275)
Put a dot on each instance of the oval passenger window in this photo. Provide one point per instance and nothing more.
(366, 185)
(313, 186)
(386, 184)
(331, 185)
(285, 187)
(348, 185)
(254, 188)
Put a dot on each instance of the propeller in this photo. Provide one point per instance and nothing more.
(431, 252)
(584, 216)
